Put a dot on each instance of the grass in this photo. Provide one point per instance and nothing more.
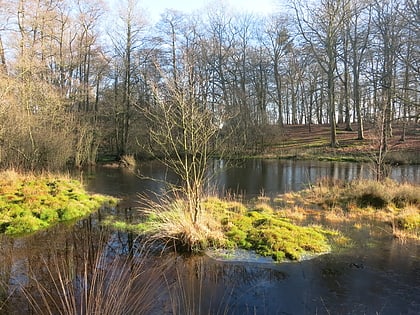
(98, 282)
(29, 203)
(230, 224)
(396, 205)
(128, 161)
(94, 282)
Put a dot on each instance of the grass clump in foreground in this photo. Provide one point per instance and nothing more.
(229, 224)
(29, 203)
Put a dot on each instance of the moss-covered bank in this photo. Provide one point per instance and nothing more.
(29, 203)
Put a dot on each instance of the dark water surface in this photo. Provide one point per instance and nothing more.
(249, 178)
(378, 275)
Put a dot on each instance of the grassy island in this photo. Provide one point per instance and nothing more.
(29, 203)
(290, 226)
(231, 224)
(394, 206)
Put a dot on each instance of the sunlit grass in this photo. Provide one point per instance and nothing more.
(29, 203)
(229, 224)
(392, 203)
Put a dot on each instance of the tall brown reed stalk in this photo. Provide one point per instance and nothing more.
(101, 283)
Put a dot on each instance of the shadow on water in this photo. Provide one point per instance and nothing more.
(378, 275)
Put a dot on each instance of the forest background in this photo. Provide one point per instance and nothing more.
(79, 81)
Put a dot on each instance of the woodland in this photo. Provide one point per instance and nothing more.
(80, 80)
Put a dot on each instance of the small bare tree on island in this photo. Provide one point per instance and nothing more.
(184, 135)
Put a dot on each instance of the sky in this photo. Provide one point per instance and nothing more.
(156, 7)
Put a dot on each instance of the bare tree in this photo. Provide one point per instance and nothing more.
(183, 133)
(387, 32)
(278, 42)
(358, 34)
(127, 39)
(320, 27)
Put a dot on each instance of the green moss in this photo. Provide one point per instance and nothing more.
(25, 224)
(409, 222)
(30, 203)
(270, 235)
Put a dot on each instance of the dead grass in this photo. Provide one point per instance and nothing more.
(169, 221)
(389, 202)
(95, 282)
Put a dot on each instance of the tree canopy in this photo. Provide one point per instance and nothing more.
(76, 78)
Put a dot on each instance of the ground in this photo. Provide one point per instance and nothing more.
(304, 142)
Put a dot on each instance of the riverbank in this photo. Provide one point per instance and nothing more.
(32, 202)
(312, 143)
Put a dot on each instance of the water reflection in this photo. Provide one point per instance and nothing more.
(272, 177)
(365, 280)
(249, 178)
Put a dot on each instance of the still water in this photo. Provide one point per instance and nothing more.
(248, 178)
(378, 275)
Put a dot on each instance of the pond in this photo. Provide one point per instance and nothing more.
(377, 275)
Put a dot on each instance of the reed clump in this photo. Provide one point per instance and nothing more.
(95, 282)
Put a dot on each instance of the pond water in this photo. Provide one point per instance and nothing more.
(248, 178)
(378, 275)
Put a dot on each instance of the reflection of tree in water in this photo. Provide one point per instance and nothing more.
(361, 281)
(21, 256)
(6, 262)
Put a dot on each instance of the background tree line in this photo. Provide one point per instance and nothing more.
(77, 79)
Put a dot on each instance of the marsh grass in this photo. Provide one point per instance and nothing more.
(396, 204)
(168, 221)
(5, 295)
(229, 224)
(128, 161)
(32, 202)
(98, 283)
